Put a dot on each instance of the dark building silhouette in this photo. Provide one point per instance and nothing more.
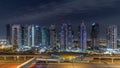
(52, 35)
(8, 33)
(94, 35)
(37, 36)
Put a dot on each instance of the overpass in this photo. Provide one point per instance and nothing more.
(47, 60)
(105, 57)
(34, 60)
(17, 57)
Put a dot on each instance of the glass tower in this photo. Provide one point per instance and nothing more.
(53, 38)
(94, 35)
(112, 37)
(83, 37)
(16, 37)
(64, 37)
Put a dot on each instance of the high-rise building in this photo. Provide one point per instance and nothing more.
(24, 36)
(16, 37)
(37, 35)
(83, 37)
(94, 35)
(44, 36)
(64, 37)
(70, 37)
(8, 33)
(53, 38)
(112, 37)
(31, 35)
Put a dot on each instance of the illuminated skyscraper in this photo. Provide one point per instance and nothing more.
(37, 35)
(31, 35)
(53, 39)
(44, 36)
(94, 35)
(64, 37)
(83, 37)
(112, 37)
(24, 35)
(70, 37)
(16, 37)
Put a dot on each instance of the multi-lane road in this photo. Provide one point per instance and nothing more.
(63, 65)
(73, 65)
(53, 65)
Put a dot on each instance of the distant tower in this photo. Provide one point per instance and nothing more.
(70, 36)
(63, 37)
(44, 36)
(37, 35)
(83, 37)
(112, 37)
(24, 35)
(8, 33)
(94, 35)
(33, 35)
(53, 38)
(16, 36)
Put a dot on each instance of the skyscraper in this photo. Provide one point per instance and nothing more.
(8, 33)
(37, 35)
(53, 38)
(44, 36)
(70, 36)
(94, 35)
(112, 37)
(16, 37)
(83, 37)
(31, 35)
(64, 37)
(24, 35)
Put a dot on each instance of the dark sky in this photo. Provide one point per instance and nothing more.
(46, 12)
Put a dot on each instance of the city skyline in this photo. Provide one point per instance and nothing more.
(59, 33)
(102, 33)
(65, 39)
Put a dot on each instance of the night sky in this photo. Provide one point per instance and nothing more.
(46, 12)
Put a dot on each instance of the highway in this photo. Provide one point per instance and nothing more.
(73, 65)
(56, 65)
(9, 65)
(63, 65)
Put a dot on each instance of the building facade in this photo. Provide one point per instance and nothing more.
(95, 36)
(37, 35)
(45, 37)
(64, 37)
(83, 37)
(8, 33)
(53, 36)
(70, 37)
(112, 37)
(16, 37)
